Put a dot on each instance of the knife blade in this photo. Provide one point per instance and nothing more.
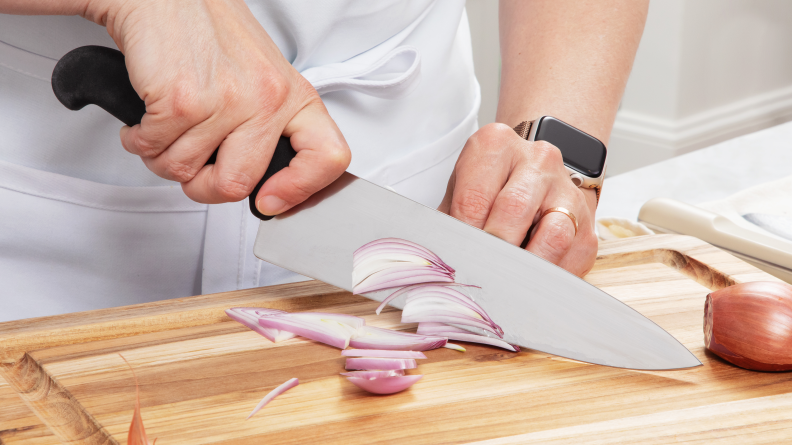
(538, 304)
(775, 224)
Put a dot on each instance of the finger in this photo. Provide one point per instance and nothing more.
(187, 155)
(580, 258)
(517, 204)
(322, 156)
(164, 122)
(553, 237)
(481, 172)
(445, 204)
(242, 159)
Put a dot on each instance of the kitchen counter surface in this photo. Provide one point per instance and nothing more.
(704, 175)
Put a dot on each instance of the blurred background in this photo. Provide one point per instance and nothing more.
(706, 71)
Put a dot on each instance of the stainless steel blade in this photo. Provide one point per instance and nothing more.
(538, 305)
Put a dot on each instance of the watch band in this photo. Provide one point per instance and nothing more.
(523, 129)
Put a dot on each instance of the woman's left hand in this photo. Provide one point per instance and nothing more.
(503, 183)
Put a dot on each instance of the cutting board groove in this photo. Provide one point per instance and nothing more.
(201, 373)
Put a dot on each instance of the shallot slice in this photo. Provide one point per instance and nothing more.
(382, 353)
(289, 384)
(369, 337)
(399, 245)
(385, 385)
(443, 317)
(455, 347)
(408, 289)
(373, 374)
(427, 328)
(402, 275)
(380, 364)
(455, 333)
(249, 317)
(350, 320)
(473, 338)
(325, 330)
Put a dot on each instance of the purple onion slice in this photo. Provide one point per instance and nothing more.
(382, 353)
(289, 384)
(385, 385)
(380, 364)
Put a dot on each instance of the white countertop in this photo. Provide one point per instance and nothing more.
(704, 175)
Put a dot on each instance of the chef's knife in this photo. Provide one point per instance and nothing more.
(775, 224)
(538, 305)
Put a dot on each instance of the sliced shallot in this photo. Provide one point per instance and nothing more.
(442, 317)
(455, 347)
(382, 353)
(289, 384)
(324, 330)
(409, 289)
(369, 337)
(249, 317)
(392, 262)
(455, 333)
(395, 245)
(380, 364)
(373, 374)
(385, 385)
(401, 275)
(348, 320)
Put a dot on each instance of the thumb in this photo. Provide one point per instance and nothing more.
(322, 156)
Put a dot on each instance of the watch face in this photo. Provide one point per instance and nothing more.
(581, 151)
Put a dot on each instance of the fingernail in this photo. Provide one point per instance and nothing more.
(271, 205)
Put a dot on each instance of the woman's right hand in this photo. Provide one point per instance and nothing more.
(211, 76)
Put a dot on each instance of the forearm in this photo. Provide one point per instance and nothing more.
(567, 58)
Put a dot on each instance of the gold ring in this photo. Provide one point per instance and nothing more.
(565, 212)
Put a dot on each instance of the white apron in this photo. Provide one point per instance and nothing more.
(84, 225)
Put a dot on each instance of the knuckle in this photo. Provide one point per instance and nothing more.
(473, 204)
(179, 171)
(183, 102)
(274, 89)
(339, 158)
(492, 135)
(558, 237)
(234, 187)
(143, 147)
(513, 202)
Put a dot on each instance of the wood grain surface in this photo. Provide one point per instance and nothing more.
(201, 374)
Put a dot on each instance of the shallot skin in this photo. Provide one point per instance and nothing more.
(750, 325)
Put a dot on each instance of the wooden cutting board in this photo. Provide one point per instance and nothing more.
(201, 374)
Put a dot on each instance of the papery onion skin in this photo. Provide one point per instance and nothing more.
(382, 353)
(379, 364)
(750, 325)
(385, 385)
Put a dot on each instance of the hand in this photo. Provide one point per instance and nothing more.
(211, 76)
(502, 183)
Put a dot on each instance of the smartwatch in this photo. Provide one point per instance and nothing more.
(584, 155)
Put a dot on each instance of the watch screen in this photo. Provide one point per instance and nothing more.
(581, 151)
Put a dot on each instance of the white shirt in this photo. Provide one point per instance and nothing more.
(83, 224)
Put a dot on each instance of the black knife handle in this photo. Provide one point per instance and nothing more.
(98, 75)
